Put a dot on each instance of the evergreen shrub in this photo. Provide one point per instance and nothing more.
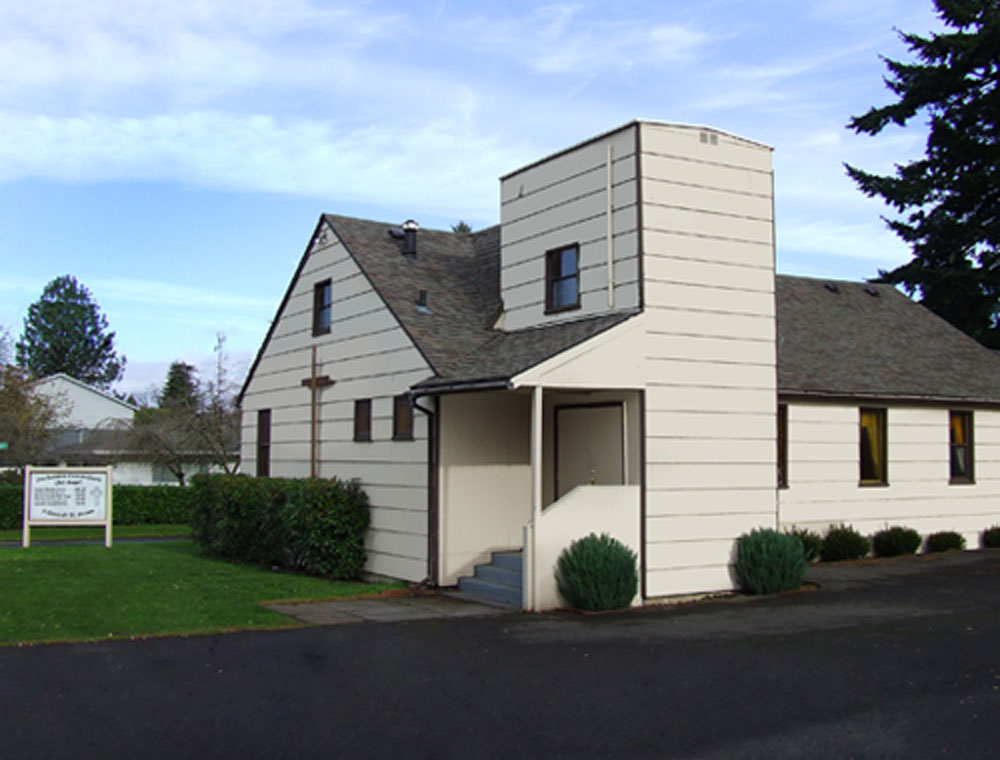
(991, 537)
(945, 540)
(597, 573)
(811, 542)
(891, 542)
(768, 561)
(309, 525)
(843, 542)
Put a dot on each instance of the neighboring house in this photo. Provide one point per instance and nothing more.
(90, 433)
(616, 356)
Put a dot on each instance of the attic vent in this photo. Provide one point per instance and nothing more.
(396, 233)
(410, 228)
(709, 137)
(831, 287)
(872, 292)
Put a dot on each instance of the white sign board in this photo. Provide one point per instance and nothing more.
(67, 496)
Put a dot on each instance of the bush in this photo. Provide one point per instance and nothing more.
(843, 542)
(945, 540)
(891, 542)
(991, 537)
(811, 542)
(310, 525)
(768, 561)
(130, 505)
(597, 573)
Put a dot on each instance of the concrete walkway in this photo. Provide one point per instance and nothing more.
(391, 609)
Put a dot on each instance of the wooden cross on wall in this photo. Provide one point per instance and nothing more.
(314, 382)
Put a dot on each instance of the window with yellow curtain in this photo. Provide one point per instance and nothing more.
(873, 447)
(960, 424)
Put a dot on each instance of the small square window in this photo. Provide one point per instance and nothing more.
(363, 419)
(402, 419)
(960, 444)
(562, 279)
(873, 448)
(322, 294)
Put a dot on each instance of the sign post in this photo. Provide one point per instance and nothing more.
(67, 496)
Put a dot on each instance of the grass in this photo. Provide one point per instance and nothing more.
(117, 531)
(87, 592)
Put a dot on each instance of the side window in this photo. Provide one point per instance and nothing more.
(782, 445)
(960, 454)
(363, 419)
(562, 279)
(263, 443)
(873, 447)
(402, 419)
(322, 293)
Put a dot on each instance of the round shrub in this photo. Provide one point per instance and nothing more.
(811, 542)
(891, 542)
(991, 537)
(768, 561)
(597, 573)
(843, 542)
(945, 540)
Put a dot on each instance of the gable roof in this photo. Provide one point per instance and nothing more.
(858, 339)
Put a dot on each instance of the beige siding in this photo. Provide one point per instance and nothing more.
(823, 472)
(564, 201)
(710, 353)
(368, 355)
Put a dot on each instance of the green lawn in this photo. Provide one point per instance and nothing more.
(117, 531)
(87, 592)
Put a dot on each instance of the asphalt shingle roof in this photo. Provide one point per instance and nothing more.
(858, 339)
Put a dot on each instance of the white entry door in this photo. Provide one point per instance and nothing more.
(590, 446)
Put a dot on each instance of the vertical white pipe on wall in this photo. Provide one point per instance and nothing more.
(536, 488)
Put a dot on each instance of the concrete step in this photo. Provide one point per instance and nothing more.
(496, 582)
(491, 593)
(501, 576)
(510, 560)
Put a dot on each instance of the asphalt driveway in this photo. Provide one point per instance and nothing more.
(889, 659)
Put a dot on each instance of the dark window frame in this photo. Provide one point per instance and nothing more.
(969, 476)
(263, 443)
(782, 446)
(879, 456)
(553, 278)
(363, 420)
(402, 418)
(322, 307)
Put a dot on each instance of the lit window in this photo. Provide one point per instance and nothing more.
(321, 307)
(562, 279)
(960, 424)
(873, 447)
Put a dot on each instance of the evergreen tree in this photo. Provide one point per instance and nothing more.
(948, 202)
(65, 331)
(461, 228)
(181, 388)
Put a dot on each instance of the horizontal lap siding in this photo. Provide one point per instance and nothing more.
(561, 202)
(710, 398)
(368, 355)
(823, 472)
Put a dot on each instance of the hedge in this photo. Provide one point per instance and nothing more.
(308, 525)
(131, 505)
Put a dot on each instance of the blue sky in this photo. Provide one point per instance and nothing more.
(175, 157)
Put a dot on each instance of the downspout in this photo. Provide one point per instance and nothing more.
(611, 225)
(433, 511)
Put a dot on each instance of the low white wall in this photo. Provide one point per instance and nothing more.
(823, 473)
(584, 510)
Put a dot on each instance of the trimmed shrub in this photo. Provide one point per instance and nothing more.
(131, 505)
(768, 561)
(843, 542)
(945, 540)
(309, 525)
(991, 537)
(891, 542)
(811, 542)
(597, 573)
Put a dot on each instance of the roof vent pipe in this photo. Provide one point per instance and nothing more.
(410, 228)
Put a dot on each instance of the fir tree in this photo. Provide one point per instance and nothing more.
(948, 202)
